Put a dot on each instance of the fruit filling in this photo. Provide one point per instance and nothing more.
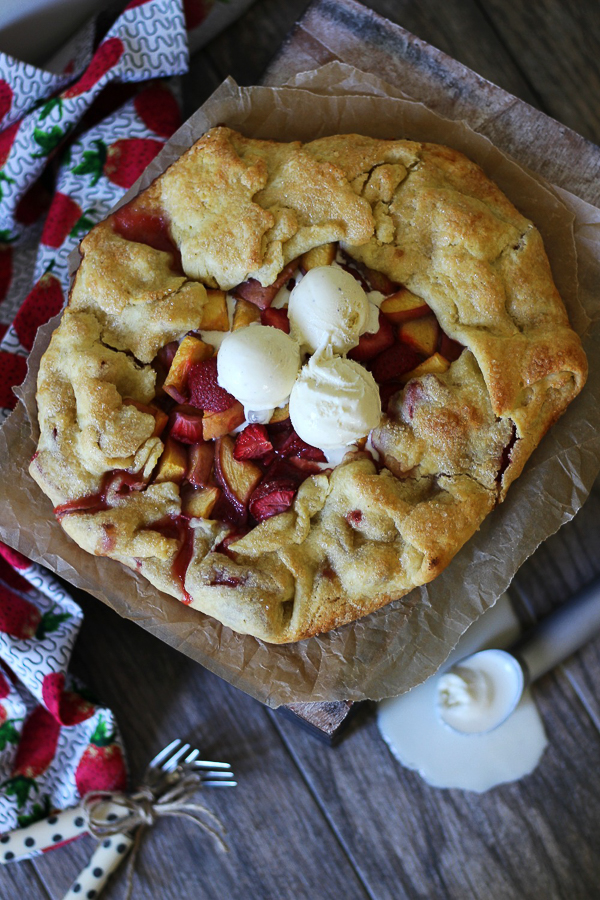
(242, 462)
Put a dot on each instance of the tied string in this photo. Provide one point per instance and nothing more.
(141, 809)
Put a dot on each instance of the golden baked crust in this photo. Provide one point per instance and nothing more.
(361, 535)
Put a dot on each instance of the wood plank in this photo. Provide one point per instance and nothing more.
(280, 842)
(562, 64)
(22, 880)
(536, 838)
(563, 564)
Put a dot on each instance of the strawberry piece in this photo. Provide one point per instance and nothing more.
(185, 426)
(158, 109)
(44, 300)
(205, 391)
(6, 97)
(101, 767)
(13, 369)
(272, 497)
(370, 345)
(252, 443)
(394, 362)
(290, 444)
(106, 56)
(276, 318)
(253, 291)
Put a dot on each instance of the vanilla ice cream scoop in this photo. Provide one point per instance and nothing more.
(328, 306)
(258, 365)
(334, 402)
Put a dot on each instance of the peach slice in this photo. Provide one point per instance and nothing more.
(450, 348)
(190, 351)
(185, 424)
(323, 255)
(379, 281)
(253, 291)
(421, 334)
(244, 314)
(200, 504)
(172, 465)
(435, 365)
(214, 312)
(404, 305)
(238, 478)
(216, 424)
(200, 463)
(160, 417)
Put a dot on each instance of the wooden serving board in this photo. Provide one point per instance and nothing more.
(345, 30)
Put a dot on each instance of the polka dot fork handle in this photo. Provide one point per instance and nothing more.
(106, 858)
(44, 835)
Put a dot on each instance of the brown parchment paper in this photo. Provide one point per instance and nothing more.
(399, 646)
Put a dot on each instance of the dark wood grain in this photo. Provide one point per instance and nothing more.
(560, 63)
(306, 820)
(526, 841)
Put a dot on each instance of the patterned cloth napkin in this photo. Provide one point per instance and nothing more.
(74, 138)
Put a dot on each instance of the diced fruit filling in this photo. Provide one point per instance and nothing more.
(145, 226)
(252, 443)
(205, 391)
(247, 478)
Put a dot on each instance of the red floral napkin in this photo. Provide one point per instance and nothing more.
(73, 140)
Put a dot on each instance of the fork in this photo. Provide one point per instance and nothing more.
(173, 760)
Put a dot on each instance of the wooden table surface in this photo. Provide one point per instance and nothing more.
(308, 821)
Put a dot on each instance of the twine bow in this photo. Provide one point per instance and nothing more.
(142, 808)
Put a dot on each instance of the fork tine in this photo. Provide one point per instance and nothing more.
(164, 753)
(221, 776)
(171, 763)
(211, 764)
(219, 783)
(193, 755)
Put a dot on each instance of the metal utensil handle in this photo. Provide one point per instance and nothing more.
(107, 857)
(561, 633)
